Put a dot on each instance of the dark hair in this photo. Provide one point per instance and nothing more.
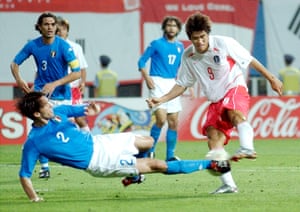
(41, 17)
(104, 60)
(29, 104)
(197, 22)
(171, 18)
(288, 59)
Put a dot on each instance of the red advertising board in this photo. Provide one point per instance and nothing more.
(271, 118)
(13, 126)
(68, 6)
(240, 13)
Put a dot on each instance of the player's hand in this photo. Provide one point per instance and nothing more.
(92, 109)
(82, 87)
(48, 89)
(24, 86)
(37, 199)
(277, 85)
(153, 102)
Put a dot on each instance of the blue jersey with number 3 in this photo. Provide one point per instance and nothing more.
(60, 141)
(52, 62)
(165, 58)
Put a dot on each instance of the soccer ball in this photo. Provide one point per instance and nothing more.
(217, 154)
(219, 162)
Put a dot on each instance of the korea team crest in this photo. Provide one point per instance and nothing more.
(217, 59)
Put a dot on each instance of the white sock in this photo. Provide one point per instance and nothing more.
(246, 135)
(44, 165)
(85, 128)
(227, 179)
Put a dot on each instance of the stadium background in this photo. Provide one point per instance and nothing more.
(123, 28)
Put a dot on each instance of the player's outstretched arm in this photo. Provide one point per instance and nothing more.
(29, 190)
(49, 87)
(275, 83)
(177, 90)
(92, 109)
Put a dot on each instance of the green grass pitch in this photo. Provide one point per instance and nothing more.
(270, 183)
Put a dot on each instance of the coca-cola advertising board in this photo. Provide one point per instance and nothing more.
(271, 118)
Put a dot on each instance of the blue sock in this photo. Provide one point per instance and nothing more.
(154, 133)
(171, 143)
(187, 166)
(142, 154)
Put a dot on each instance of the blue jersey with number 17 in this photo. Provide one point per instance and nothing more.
(59, 140)
(165, 58)
(52, 61)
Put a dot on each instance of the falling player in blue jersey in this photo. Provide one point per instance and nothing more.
(109, 155)
(165, 54)
(52, 56)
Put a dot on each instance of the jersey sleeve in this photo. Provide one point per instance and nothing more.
(146, 55)
(23, 54)
(70, 57)
(185, 77)
(30, 156)
(240, 54)
(70, 110)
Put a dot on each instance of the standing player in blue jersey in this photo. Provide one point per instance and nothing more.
(109, 155)
(52, 56)
(165, 54)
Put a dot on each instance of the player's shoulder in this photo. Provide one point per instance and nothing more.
(60, 41)
(34, 42)
(179, 43)
(157, 41)
(76, 47)
(221, 42)
(189, 51)
(221, 39)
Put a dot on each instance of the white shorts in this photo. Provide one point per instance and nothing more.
(161, 87)
(113, 155)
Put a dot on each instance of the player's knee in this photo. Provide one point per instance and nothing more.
(150, 141)
(173, 124)
(158, 165)
(214, 134)
(236, 117)
(143, 143)
(160, 123)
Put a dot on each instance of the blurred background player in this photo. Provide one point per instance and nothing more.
(217, 63)
(106, 80)
(290, 76)
(77, 86)
(165, 54)
(53, 55)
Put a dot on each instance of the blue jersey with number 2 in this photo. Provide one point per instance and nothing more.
(60, 141)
